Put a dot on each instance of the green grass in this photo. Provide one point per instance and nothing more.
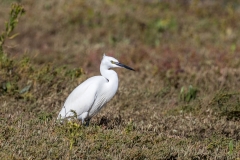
(181, 103)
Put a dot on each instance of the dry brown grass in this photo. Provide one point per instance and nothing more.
(155, 114)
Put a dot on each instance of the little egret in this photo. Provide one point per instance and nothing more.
(89, 97)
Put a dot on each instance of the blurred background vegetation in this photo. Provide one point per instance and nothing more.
(183, 101)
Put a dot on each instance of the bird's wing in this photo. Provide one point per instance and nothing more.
(82, 97)
(99, 102)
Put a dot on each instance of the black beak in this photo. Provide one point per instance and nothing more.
(124, 66)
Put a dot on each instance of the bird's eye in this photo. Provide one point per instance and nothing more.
(112, 62)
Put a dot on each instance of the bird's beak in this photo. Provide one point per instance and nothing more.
(124, 66)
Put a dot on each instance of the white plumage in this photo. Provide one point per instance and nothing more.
(89, 97)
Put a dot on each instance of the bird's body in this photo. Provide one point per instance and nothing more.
(90, 96)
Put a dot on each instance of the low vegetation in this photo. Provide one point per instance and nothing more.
(181, 103)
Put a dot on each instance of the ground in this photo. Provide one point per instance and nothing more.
(183, 101)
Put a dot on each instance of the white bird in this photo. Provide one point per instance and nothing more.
(89, 97)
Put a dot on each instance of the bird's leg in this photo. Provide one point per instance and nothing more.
(83, 117)
(87, 122)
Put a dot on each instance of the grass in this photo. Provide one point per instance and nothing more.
(182, 103)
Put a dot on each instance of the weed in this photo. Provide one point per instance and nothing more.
(45, 117)
(230, 147)
(16, 11)
(72, 131)
(130, 127)
(188, 95)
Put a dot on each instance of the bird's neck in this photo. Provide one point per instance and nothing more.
(111, 75)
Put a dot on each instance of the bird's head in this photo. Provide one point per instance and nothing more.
(111, 62)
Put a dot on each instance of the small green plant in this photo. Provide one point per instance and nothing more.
(130, 127)
(72, 131)
(230, 147)
(16, 11)
(77, 72)
(189, 94)
(45, 117)
(6, 63)
(164, 24)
